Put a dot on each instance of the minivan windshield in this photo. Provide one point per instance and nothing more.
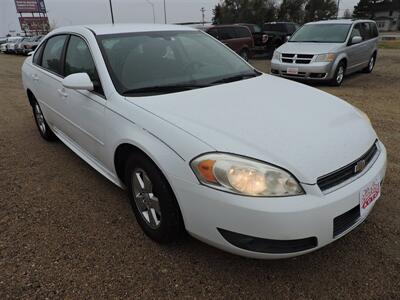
(147, 63)
(321, 33)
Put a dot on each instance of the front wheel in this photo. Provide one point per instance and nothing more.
(338, 77)
(371, 64)
(152, 200)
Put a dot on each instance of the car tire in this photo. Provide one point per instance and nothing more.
(41, 123)
(245, 54)
(338, 77)
(371, 64)
(152, 199)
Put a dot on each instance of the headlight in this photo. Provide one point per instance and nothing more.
(244, 176)
(325, 57)
(276, 55)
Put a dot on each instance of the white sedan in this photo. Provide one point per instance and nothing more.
(253, 164)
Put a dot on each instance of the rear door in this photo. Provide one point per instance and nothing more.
(46, 79)
(367, 44)
(84, 110)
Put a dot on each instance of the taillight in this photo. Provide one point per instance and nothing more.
(264, 38)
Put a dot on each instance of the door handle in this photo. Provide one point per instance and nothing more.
(62, 93)
(35, 77)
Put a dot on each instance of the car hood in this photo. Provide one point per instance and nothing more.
(302, 129)
(308, 48)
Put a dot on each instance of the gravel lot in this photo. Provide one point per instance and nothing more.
(65, 231)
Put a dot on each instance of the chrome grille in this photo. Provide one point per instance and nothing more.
(296, 58)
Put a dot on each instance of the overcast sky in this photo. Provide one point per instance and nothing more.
(66, 12)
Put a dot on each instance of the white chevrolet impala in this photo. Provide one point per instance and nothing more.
(253, 164)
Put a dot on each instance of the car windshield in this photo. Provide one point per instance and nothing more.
(321, 33)
(169, 61)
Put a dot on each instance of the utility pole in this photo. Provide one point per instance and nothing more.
(165, 13)
(112, 14)
(202, 15)
(152, 6)
(337, 13)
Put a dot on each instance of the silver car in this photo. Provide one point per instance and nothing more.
(327, 51)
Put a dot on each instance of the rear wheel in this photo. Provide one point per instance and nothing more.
(152, 200)
(339, 74)
(41, 123)
(371, 64)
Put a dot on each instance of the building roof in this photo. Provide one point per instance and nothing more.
(387, 5)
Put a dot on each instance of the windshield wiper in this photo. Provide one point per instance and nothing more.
(236, 78)
(162, 89)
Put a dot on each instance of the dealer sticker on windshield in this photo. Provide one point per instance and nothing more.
(292, 71)
(369, 194)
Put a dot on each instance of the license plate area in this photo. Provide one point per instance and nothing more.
(292, 71)
(369, 194)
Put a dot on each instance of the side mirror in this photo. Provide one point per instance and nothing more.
(356, 39)
(78, 81)
(288, 38)
(30, 53)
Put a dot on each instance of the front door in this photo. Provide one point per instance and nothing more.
(84, 110)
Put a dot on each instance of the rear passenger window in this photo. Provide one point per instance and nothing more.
(374, 30)
(226, 33)
(242, 32)
(365, 31)
(78, 59)
(51, 58)
(213, 32)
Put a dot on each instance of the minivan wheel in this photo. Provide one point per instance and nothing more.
(371, 64)
(245, 54)
(41, 123)
(152, 200)
(339, 74)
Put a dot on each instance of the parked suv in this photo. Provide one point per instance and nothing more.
(328, 50)
(278, 33)
(236, 37)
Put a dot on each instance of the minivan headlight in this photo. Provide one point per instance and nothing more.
(329, 57)
(244, 176)
(276, 55)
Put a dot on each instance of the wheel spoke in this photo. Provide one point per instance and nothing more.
(147, 186)
(137, 182)
(155, 204)
(152, 217)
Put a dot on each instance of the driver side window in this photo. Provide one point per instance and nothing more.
(355, 32)
(78, 59)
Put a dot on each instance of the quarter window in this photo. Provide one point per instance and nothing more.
(78, 59)
(242, 32)
(52, 52)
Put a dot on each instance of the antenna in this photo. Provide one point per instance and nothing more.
(112, 14)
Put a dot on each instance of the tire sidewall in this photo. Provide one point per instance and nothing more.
(171, 224)
(334, 79)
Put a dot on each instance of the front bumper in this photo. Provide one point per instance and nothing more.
(208, 214)
(318, 71)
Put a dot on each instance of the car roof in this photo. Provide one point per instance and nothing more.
(100, 29)
(340, 21)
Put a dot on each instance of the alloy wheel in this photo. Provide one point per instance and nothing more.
(340, 75)
(40, 118)
(145, 200)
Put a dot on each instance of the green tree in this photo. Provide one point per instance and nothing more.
(249, 11)
(320, 10)
(217, 14)
(365, 9)
(292, 10)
